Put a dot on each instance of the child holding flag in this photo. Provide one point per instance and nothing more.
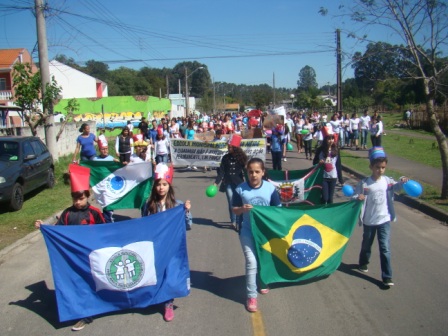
(80, 213)
(377, 192)
(255, 191)
(162, 198)
(328, 156)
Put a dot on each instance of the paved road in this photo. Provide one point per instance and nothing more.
(346, 303)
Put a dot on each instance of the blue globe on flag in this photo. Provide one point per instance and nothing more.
(305, 247)
(117, 183)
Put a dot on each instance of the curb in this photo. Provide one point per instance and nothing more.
(415, 203)
(22, 243)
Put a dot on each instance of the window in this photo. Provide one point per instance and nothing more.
(2, 84)
(27, 149)
(36, 147)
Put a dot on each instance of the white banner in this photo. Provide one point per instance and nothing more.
(209, 154)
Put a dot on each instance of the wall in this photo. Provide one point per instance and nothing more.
(67, 141)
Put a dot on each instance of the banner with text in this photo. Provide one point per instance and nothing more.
(209, 154)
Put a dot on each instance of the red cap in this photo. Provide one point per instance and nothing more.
(79, 177)
(160, 131)
(235, 140)
(164, 171)
(326, 131)
(253, 122)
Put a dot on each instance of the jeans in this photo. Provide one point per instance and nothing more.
(162, 158)
(328, 185)
(376, 141)
(248, 245)
(87, 158)
(230, 190)
(364, 133)
(307, 144)
(276, 160)
(368, 237)
(108, 216)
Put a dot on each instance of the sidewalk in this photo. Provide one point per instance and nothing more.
(413, 170)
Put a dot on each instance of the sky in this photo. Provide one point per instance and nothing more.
(243, 42)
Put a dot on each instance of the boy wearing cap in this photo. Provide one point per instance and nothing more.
(377, 192)
(80, 213)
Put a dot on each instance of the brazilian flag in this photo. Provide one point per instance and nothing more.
(300, 243)
(298, 186)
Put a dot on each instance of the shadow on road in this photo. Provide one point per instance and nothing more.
(42, 302)
(352, 269)
(230, 288)
(209, 222)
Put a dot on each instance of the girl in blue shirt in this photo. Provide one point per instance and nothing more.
(255, 191)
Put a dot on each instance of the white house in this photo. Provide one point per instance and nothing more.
(332, 99)
(76, 84)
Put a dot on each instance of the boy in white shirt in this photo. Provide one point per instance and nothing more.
(377, 192)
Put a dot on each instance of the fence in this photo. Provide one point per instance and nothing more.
(67, 141)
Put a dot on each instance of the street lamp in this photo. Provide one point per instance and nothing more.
(292, 101)
(187, 103)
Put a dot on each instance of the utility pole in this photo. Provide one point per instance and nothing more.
(214, 97)
(50, 133)
(167, 87)
(187, 103)
(339, 70)
(273, 84)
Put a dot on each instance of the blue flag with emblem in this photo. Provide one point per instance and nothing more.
(130, 264)
(301, 243)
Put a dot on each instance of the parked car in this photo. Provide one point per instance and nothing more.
(25, 165)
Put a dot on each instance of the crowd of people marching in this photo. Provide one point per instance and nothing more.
(242, 178)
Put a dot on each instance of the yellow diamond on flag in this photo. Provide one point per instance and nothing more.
(307, 245)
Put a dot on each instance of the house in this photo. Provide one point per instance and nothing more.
(332, 99)
(75, 83)
(10, 114)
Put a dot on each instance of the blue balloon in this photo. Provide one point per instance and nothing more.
(413, 188)
(347, 190)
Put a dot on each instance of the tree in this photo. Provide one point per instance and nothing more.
(28, 95)
(307, 78)
(422, 27)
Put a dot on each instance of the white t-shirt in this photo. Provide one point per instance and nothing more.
(354, 124)
(365, 120)
(376, 211)
(161, 147)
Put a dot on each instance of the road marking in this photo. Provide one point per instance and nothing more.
(257, 324)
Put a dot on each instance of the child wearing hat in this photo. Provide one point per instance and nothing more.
(162, 198)
(377, 192)
(80, 213)
(142, 152)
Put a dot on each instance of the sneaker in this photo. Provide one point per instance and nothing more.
(195, 168)
(363, 268)
(169, 312)
(388, 282)
(251, 305)
(82, 323)
(264, 291)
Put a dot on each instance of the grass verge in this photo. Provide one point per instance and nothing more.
(39, 204)
(430, 194)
